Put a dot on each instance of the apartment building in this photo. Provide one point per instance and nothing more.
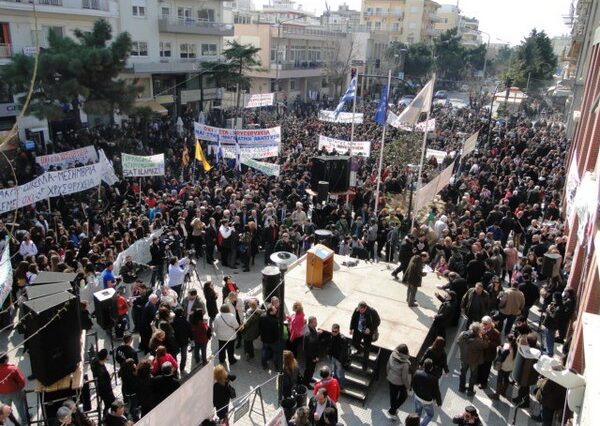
(171, 39)
(295, 55)
(18, 34)
(407, 21)
(449, 17)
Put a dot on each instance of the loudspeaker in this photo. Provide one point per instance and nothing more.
(335, 170)
(55, 350)
(550, 260)
(322, 191)
(105, 303)
(42, 290)
(270, 280)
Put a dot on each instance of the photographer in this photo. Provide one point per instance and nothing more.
(130, 269)
(176, 274)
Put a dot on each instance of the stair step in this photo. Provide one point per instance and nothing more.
(360, 380)
(372, 356)
(357, 367)
(361, 395)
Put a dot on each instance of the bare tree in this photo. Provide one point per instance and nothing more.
(338, 65)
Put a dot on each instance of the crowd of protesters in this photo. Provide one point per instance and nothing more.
(500, 216)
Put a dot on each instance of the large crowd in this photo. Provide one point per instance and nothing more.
(499, 217)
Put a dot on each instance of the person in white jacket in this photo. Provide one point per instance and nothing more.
(225, 327)
(27, 247)
(236, 307)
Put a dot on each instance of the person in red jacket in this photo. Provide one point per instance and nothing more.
(12, 385)
(122, 317)
(330, 383)
(163, 356)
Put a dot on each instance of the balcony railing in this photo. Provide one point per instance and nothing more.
(5, 50)
(300, 65)
(194, 26)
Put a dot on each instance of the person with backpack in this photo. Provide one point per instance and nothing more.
(471, 346)
(399, 377)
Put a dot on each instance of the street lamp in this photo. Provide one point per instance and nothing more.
(283, 259)
(278, 58)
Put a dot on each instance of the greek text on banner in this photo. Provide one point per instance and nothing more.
(142, 165)
(343, 147)
(343, 117)
(68, 158)
(268, 169)
(258, 100)
(254, 143)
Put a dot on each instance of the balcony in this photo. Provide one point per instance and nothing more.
(309, 33)
(60, 6)
(299, 65)
(5, 50)
(172, 65)
(194, 26)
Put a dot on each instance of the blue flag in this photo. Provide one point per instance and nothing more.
(348, 96)
(381, 114)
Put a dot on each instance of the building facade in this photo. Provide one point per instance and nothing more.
(18, 34)
(407, 21)
(449, 17)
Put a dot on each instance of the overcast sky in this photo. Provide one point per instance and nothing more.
(504, 20)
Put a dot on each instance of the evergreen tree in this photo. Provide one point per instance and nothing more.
(534, 61)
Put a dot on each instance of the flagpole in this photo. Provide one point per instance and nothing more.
(382, 144)
(423, 148)
(352, 135)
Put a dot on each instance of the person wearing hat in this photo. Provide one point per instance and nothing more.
(469, 417)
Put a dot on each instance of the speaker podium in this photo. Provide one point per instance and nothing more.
(319, 266)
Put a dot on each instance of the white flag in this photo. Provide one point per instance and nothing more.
(421, 103)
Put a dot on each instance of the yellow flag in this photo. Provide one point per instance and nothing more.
(200, 157)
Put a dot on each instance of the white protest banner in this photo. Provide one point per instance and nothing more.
(268, 169)
(253, 143)
(186, 406)
(258, 100)
(343, 117)
(68, 158)
(6, 274)
(139, 251)
(343, 147)
(439, 155)
(426, 194)
(52, 184)
(278, 419)
(470, 144)
(109, 176)
(143, 165)
(392, 119)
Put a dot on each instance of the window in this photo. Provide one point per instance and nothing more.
(369, 24)
(206, 15)
(292, 85)
(396, 27)
(209, 50)
(377, 26)
(165, 12)
(139, 48)
(165, 49)
(139, 11)
(184, 14)
(273, 54)
(324, 83)
(273, 85)
(45, 34)
(187, 50)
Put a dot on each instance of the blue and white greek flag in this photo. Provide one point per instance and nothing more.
(348, 96)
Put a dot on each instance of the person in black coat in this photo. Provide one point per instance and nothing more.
(210, 239)
(223, 391)
(139, 303)
(125, 351)
(145, 398)
(130, 387)
(406, 251)
(363, 324)
(459, 286)
(531, 293)
(427, 390)
(445, 313)
(157, 256)
(102, 376)
(211, 301)
(311, 350)
(183, 334)
(148, 315)
(164, 384)
(268, 326)
(321, 399)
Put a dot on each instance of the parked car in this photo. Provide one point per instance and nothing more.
(441, 94)
(405, 100)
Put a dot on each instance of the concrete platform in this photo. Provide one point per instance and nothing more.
(373, 283)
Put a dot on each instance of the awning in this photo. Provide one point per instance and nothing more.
(153, 105)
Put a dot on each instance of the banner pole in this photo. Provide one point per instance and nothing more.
(423, 148)
(140, 191)
(382, 146)
(352, 138)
